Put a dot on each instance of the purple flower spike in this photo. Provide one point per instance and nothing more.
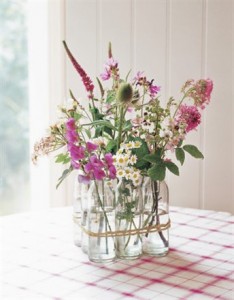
(85, 78)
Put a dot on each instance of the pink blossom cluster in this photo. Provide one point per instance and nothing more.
(141, 80)
(98, 168)
(85, 78)
(188, 115)
(199, 91)
(110, 67)
(95, 168)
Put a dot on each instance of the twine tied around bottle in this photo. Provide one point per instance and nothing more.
(116, 233)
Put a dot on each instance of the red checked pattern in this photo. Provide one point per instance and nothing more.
(39, 261)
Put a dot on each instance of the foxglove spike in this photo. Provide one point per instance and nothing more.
(85, 78)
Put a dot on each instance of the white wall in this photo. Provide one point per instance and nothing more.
(172, 41)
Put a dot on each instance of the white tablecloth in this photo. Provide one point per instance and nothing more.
(39, 261)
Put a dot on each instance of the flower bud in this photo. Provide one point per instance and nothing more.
(124, 93)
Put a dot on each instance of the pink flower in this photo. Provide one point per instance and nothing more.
(96, 162)
(106, 74)
(109, 159)
(139, 76)
(76, 152)
(112, 63)
(111, 67)
(137, 121)
(91, 147)
(75, 164)
(84, 179)
(154, 89)
(99, 174)
(190, 116)
(71, 124)
(112, 172)
(71, 136)
(200, 91)
(88, 167)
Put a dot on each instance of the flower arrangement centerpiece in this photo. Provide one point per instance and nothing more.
(121, 148)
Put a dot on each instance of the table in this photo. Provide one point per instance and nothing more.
(39, 261)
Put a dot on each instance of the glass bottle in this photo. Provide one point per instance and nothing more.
(77, 212)
(101, 221)
(156, 217)
(80, 205)
(128, 220)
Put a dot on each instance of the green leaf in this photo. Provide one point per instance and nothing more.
(95, 113)
(180, 155)
(152, 158)
(111, 145)
(127, 125)
(77, 116)
(172, 167)
(62, 158)
(126, 78)
(157, 172)
(100, 87)
(101, 123)
(88, 133)
(193, 150)
(180, 143)
(110, 96)
(64, 175)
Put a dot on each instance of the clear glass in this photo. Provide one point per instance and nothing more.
(14, 125)
(101, 219)
(156, 213)
(129, 207)
(80, 205)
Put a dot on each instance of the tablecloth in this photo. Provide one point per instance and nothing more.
(40, 261)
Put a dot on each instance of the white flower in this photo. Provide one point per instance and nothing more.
(137, 182)
(133, 159)
(166, 134)
(135, 175)
(128, 172)
(100, 141)
(120, 173)
(137, 144)
(129, 145)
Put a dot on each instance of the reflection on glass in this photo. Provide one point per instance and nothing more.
(14, 141)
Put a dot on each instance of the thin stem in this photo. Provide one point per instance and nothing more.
(154, 212)
(120, 126)
(101, 205)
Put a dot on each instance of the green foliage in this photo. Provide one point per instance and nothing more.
(141, 153)
(157, 172)
(110, 96)
(62, 158)
(64, 175)
(193, 150)
(172, 167)
(180, 155)
(111, 146)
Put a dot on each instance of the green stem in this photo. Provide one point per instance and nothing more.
(185, 95)
(120, 129)
(101, 205)
(143, 100)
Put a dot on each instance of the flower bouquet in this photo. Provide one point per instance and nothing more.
(121, 148)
